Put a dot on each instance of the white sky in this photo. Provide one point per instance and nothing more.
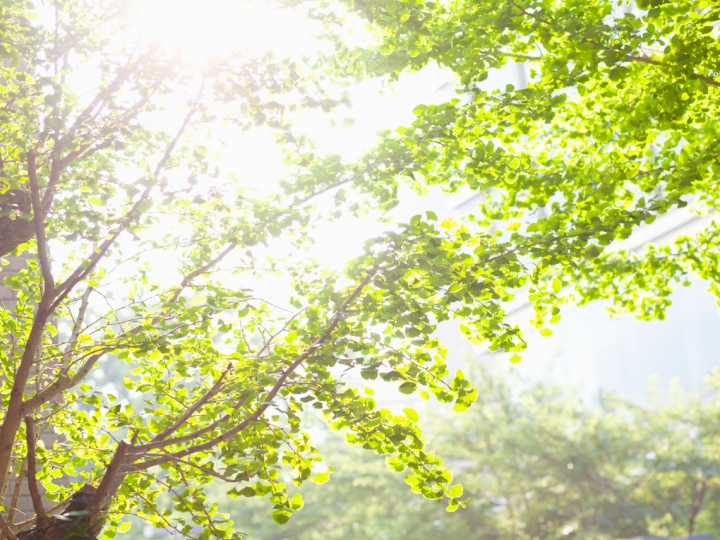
(210, 25)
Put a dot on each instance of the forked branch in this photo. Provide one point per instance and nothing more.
(268, 400)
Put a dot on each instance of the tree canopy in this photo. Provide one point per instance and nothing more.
(110, 164)
(536, 462)
(615, 127)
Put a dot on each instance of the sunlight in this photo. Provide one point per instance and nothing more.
(200, 29)
(205, 27)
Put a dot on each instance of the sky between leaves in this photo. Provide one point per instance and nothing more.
(202, 28)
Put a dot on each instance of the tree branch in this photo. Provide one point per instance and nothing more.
(695, 507)
(652, 61)
(273, 391)
(23, 524)
(43, 521)
(38, 219)
(6, 530)
(164, 434)
(77, 328)
(17, 490)
(100, 98)
(183, 438)
(60, 385)
(98, 253)
(214, 474)
(631, 58)
(104, 491)
(143, 448)
(13, 414)
(532, 15)
(202, 269)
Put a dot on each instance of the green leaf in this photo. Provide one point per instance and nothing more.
(556, 285)
(514, 226)
(461, 406)
(321, 478)
(296, 501)
(144, 205)
(247, 491)
(50, 487)
(407, 387)
(455, 287)
(411, 414)
(280, 517)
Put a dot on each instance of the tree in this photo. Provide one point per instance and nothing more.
(615, 127)
(97, 194)
(536, 462)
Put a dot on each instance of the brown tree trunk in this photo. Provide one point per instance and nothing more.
(75, 523)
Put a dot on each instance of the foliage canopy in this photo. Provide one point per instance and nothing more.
(615, 127)
(536, 462)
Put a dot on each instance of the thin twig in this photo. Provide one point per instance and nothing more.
(134, 214)
(140, 449)
(267, 401)
(20, 526)
(77, 328)
(217, 387)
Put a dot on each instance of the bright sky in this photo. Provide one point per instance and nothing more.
(203, 27)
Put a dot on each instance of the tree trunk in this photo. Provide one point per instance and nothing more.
(75, 523)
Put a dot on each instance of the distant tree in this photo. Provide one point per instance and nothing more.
(536, 463)
(616, 127)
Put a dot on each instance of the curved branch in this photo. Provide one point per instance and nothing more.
(217, 387)
(60, 385)
(43, 521)
(6, 530)
(273, 391)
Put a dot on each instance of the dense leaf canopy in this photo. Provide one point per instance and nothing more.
(111, 170)
(615, 126)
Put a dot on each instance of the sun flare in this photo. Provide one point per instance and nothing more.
(200, 28)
